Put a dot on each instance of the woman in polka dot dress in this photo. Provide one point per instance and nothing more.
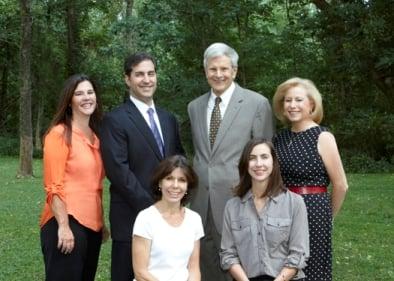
(309, 161)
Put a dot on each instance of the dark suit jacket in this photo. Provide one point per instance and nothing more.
(130, 155)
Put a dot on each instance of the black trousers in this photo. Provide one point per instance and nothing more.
(81, 263)
(121, 263)
(262, 278)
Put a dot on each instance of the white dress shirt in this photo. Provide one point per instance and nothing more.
(143, 108)
(226, 96)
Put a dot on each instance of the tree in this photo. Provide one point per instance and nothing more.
(73, 37)
(25, 122)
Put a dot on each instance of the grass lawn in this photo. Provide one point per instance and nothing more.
(363, 232)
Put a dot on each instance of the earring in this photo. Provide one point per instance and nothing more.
(159, 188)
(185, 192)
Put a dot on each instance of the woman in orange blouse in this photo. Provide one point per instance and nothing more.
(72, 224)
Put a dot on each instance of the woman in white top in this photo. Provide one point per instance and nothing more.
(166, 236)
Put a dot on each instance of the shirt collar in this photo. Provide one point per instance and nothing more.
(142, 107)
(226, 96)
(79, 133)
(248, 196)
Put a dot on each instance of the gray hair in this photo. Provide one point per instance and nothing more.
(220, 49)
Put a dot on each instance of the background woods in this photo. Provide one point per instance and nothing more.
(345, 46)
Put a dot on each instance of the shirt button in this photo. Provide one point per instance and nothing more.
(258, 233)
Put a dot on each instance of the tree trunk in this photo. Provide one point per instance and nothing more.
(129, 30)
(129, 8)
(25, 123)
(73, 38)
(37, 137)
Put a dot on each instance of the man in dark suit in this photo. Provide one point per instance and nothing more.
(223, 121)
(134, 137)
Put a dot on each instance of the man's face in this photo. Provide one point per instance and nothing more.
(220, 74)
(142, 81)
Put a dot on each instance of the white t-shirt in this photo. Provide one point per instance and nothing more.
(171, 246)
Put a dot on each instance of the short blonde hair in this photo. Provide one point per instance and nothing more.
(311, 91)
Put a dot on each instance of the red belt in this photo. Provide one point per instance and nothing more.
(308, 189)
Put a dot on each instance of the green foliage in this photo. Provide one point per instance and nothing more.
(359, 162)
(9, 146)
(345, 47)
(368, 132)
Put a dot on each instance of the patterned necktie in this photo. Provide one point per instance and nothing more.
(216, 118)
(155, 131)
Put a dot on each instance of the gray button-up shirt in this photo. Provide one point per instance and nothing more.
(263, 243)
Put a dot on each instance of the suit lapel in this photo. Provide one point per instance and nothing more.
(140, 123)
(165, 129)
(231, 112)
(202, 115)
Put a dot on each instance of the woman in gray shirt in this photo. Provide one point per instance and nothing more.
(265, 229)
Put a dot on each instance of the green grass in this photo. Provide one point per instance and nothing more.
(363, 232)
(21, 201)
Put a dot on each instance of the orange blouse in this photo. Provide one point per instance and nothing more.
(74, 173)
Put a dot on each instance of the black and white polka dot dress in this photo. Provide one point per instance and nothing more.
(301, 165)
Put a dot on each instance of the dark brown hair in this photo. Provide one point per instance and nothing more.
(135, 59)
(166, 167)
(63, 113)
(275, 182)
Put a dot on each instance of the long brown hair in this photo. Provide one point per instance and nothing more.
(63, 113)
(275, 182)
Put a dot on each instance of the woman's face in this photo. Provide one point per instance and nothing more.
(260, 163)
(83, 102)
(173, 186)
(297, 106)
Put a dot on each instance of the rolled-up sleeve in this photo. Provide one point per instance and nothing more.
(55, 157)
(299, 237)
(228, 252)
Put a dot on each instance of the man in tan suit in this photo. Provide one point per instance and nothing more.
(223, 121)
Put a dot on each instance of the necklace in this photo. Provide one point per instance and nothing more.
(293, 137)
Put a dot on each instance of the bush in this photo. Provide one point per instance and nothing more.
(367, 132)
(9, 146)
(356, 162)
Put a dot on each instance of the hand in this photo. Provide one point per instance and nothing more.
(106, 234)
(65, 239)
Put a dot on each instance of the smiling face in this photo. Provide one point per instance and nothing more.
(83, 102)
(220, 74)
(142, 81)
(173, 186)
(260, 163)
(297, 106)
